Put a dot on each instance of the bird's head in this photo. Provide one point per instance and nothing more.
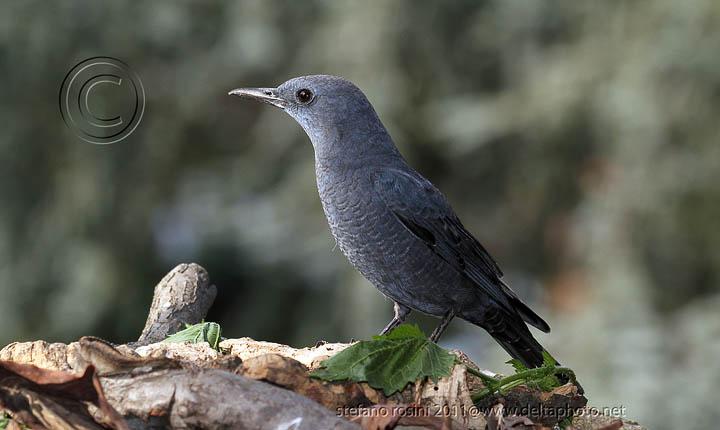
(334, 113)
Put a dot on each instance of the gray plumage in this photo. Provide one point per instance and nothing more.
(395, 226)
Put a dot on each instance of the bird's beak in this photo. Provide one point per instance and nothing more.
(267, 95)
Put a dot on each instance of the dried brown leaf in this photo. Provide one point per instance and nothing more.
(494, 418)
(615, 425)
(293, 375)
(519, 423)
(380, 417)
(21, 383)
(387, 417)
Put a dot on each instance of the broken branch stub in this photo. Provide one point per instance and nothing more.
(183, 296)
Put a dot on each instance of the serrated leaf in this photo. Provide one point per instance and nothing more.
(548, 360)
(6, 419)
(201, 332)
(389, 362)
(403, 331)
(565, 422)
(547, 383)
(517, 365)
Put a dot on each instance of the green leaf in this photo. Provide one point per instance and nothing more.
(547, 383)
(202, 332)
(5, 421)
(389, 362)
(543, 377)
(565, 422)
(548, 360)
(517, 365)
(402, 332)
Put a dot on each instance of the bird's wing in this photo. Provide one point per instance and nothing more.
(425, 212)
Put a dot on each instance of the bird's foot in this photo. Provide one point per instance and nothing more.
(435, 336)
(391, 325)
(401, 312)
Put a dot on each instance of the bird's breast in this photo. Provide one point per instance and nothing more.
(354, 213)
(399, 264)
(358, 219)
(372, 238)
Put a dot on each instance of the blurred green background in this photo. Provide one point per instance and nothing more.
(578, 140)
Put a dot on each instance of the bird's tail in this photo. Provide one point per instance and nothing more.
(524, 348)
(509, 330)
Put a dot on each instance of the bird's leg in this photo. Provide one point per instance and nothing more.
(401, 311)
(443, 325)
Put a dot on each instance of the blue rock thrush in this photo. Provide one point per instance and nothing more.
(393, 225)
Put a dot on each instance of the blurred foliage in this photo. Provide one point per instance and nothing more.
(577, 139)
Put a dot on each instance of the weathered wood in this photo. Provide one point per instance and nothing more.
(183, 296)
(251, 384)
(214, 399)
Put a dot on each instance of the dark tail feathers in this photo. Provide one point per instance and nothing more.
(524, 310)
(509, 330)
(520, 344)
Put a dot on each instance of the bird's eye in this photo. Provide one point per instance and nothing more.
(304, 95)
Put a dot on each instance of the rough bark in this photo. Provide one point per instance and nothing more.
(214, 399)
(282, 366)
(253, 384)
(183, 296)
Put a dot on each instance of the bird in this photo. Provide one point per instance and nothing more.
(393, 225)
